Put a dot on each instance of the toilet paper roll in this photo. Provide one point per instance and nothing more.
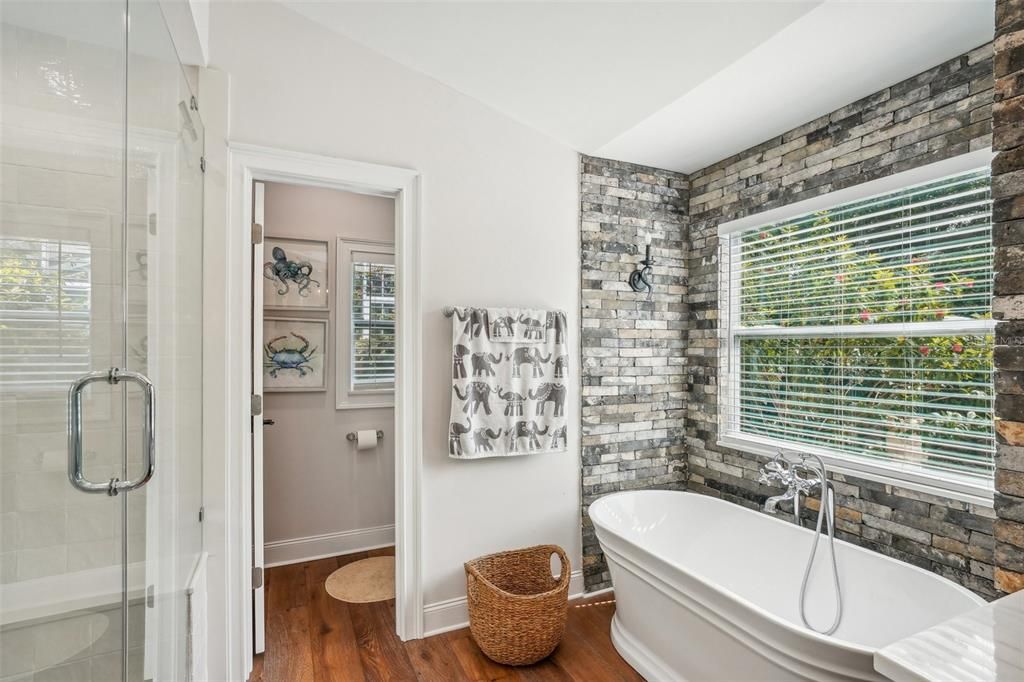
(366, 439)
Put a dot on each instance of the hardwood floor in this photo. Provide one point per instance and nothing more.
(312, 637)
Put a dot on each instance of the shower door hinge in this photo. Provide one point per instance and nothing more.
(202, 514)
(257, 577)
(257, 233)
(202, 163)
(193, 103)
(256, 405)
(150, 596)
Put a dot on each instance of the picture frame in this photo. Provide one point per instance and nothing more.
(294, 354)
(295, 274)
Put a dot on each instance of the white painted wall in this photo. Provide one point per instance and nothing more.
(499, 228)
(315, 482)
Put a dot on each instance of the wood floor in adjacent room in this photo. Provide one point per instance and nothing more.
(312, 637)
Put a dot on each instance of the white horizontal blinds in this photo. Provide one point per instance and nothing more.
(44, 313)
(920, 255)
(864, 329)
(373, 321)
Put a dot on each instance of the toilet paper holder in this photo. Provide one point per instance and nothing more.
(352, 435)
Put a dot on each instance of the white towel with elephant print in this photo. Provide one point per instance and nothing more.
(510, 379)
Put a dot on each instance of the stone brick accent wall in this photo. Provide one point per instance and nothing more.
(943, 112)
(633, 347)
(1008, 306)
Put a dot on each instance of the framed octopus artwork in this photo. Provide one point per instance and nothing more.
(294, 357)
(295, 274)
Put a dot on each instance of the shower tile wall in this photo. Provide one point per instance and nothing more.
(943, 112)
(634, 373)
(60, 193)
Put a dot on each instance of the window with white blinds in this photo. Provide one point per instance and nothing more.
(44, 313)
(373, 321)
(863, 333)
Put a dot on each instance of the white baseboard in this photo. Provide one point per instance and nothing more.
(452, 614)
(297, 550)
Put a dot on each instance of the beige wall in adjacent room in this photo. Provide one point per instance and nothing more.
(315, 482)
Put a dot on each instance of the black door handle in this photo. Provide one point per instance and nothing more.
(268, 422)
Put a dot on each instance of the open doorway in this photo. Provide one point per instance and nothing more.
(253, 167)
(324, 349)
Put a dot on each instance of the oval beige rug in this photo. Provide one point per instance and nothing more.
(363, 581)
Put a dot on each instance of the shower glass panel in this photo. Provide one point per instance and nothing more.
(100, 252)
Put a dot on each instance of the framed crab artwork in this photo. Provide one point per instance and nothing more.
(295, 274)
(294, 354)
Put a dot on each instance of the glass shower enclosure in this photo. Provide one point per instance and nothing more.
(101, 227)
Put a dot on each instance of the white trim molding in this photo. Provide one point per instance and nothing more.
(453, 614)
(246, 164)
(313, 547)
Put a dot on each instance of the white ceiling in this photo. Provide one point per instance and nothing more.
(675, 85)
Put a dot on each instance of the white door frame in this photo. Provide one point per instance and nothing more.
(248, 163)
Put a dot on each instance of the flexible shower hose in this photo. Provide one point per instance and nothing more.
(826, 512)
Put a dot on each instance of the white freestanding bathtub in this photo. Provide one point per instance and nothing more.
(707, 590)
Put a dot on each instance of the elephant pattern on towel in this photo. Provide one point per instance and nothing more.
(548, 392)
(502, 326)
(482, 363)
(508, 364)
(483, 438)
(455, 434)
(458, 364)
(532, 328)
(556, 321)
(477, 393)
(530, 354)
(528, 430)
(560, 433)
(475, 319)
(513, 402)
(561, 364)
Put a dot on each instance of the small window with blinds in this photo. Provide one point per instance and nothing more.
(862, 332)
(366, 324)
(373, 322)
(44, 314)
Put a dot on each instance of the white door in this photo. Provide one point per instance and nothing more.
(258, 594)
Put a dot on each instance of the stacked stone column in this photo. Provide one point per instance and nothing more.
(1008, 304)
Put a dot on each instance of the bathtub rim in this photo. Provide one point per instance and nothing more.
(845, 645)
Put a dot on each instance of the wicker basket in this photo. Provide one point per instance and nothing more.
(517, 610)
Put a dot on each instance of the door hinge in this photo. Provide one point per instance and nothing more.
(202, 514)
(256, 405)
(150, 596)
(193, 103)
(202, 163)
(257, 233)
(257, 577)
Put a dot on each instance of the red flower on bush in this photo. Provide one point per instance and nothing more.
(939, 314)
(865, 315)
(968, 284)
(763, 235)
(840, 277)
(958, 347)
(940, 285)
(925, 350)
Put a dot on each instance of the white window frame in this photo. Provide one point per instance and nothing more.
(950, 485)
(347, 397)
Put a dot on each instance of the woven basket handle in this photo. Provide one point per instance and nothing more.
(472, 575)
(563, 576)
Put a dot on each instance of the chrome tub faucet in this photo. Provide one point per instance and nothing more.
(796, 477)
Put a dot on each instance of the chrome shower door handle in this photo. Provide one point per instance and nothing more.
(114, 486)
